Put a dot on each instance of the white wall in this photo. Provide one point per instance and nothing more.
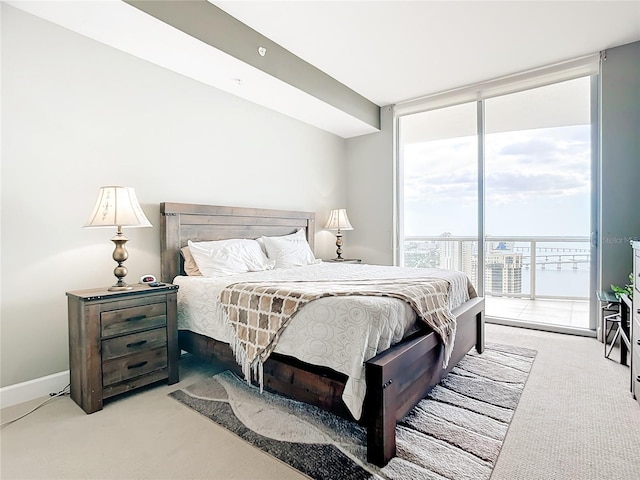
(77, 115)
(370, 190)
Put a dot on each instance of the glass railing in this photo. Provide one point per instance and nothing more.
(516, 267)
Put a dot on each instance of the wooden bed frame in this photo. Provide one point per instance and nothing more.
(397, 379)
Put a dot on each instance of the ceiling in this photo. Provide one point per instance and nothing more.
(391, 51)
(386, 51)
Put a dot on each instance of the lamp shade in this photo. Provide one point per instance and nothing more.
(117, 207)
(338, 220)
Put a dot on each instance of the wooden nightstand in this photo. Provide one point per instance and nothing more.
(119, 341)
(344, 260)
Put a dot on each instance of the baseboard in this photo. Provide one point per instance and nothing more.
(32, 389)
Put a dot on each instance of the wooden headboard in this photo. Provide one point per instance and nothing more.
(180, 222)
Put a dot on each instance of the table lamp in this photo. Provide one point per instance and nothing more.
(118, 207)
(339, 221)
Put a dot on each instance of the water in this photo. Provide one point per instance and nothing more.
(558, 283)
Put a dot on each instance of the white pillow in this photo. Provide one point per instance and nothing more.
(228, 257)
(290, 251)
(260, 240)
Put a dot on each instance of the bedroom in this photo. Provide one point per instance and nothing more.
(73, 107)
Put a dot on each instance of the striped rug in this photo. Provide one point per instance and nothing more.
(455, 433)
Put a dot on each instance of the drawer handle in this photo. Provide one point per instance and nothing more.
(136, 344)
(137, 365)
(638, 378)
(136, 318)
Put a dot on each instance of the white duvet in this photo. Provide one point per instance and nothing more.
(336, 332)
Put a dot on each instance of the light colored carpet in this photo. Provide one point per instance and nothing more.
(575, 420)
(456, 432)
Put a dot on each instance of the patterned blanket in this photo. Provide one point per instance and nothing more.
(257, 313)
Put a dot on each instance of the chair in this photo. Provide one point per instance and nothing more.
(612, 317)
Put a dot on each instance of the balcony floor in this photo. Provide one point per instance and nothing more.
(566, 313)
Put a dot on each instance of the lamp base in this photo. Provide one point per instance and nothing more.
(120, 254)
(339, 245)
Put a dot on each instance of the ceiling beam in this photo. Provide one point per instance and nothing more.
(213, 26)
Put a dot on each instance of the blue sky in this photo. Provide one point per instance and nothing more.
(537, 182)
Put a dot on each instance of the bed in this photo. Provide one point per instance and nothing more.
(396, 378)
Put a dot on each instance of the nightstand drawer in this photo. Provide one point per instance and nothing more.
(133, 319)
(134, 343)
(120, 369)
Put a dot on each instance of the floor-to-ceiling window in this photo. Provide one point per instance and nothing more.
(538, 204)
(501, 188)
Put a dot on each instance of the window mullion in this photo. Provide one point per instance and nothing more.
(481, 232)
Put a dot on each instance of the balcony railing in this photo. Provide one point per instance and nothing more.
(516, 267)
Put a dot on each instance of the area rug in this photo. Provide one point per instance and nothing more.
(456, 432)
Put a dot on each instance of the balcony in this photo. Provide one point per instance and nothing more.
(562, 313)
(533, 280)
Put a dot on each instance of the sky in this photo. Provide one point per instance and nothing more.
(537, 183)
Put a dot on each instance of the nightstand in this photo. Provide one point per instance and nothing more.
(120, 341)
(343, 260)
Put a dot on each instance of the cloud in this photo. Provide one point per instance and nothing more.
(537, 179)
(519, 166)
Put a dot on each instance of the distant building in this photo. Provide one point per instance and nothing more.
(470, 260)
(452, 258)
(448, 253)
(503, 270)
